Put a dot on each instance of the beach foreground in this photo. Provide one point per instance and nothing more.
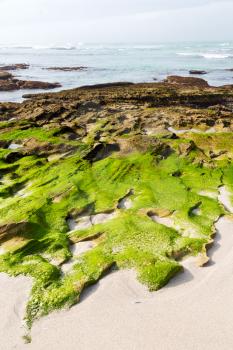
(194, 311)
(118, 196)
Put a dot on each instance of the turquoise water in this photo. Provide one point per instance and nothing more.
(121, 62)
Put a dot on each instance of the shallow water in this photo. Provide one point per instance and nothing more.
(108, 63)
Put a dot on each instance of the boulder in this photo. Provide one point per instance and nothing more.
(5, 75)
(186, 81)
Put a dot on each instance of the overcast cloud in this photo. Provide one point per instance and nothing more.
(43, 22)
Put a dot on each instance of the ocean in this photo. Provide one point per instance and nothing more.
(119, 62)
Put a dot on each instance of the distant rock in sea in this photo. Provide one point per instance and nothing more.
(67, 69)
(14, 66)
(9, 83)
(197, 72)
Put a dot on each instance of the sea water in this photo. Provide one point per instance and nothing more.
(119, 62)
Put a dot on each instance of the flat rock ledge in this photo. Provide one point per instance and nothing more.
(67, 69)
(16, 66)
(9, 83)
(186, 81)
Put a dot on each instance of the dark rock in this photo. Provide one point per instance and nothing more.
(177, 173)
(4, 144)
(13, 157)
(10, 84)
(107, 85)
(198, 72)
(101, 151)
(67, 69)
(14, 66)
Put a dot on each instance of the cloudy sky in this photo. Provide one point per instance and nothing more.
(45, 22)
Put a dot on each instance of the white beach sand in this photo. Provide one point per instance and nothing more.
(193, 312)
(14, 293)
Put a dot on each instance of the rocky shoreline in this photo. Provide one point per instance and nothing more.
(9, 83)
(126, 168)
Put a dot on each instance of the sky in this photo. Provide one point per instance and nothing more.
(59, 22)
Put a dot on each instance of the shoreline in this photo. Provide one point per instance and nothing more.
(119, 312)
(114, 178)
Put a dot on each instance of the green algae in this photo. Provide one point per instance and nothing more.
(52, 191)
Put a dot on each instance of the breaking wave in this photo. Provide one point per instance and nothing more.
(206, 55)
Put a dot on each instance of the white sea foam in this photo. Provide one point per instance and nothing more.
(117, 62)
(207, 55)
(216, 55)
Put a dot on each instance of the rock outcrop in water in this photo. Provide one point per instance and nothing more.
(68, 69)
(197, 72)
(9, 83)
(126, 168)
(16, 66)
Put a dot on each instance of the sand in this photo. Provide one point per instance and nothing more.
(84, 222)
(225, 198)
(14, 293)
(193, 312)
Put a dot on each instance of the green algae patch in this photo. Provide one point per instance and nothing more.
(41, 134)
(53, 192)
